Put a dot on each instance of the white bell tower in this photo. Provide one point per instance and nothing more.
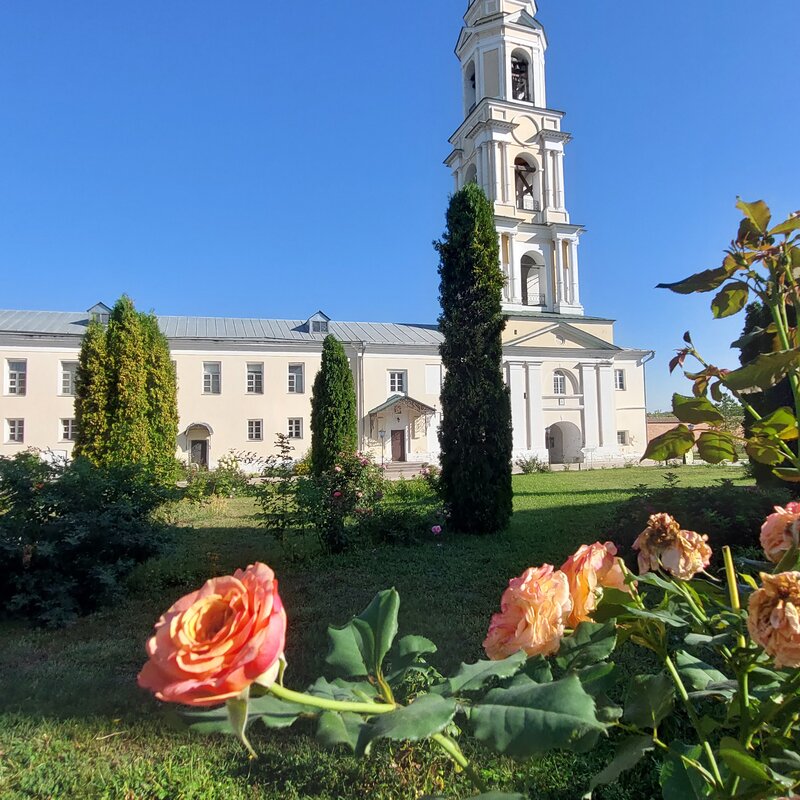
(512, 144)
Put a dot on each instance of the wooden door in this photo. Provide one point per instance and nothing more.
(200, 452)
(398, 445)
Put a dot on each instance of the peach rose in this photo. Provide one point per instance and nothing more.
(589, 570)
(664, 544)
(213, 643)
(532, 614)
(774, 617)
(780, 531)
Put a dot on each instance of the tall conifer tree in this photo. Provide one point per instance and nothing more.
(475, 434)
(333, 409)
(91, 396)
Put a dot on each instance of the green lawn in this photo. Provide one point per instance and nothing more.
(73, 724)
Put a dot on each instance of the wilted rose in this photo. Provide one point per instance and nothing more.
(213, 643)
(533, 611)
(592, 568)
(780, 531)
(774, 617)
(664, 544)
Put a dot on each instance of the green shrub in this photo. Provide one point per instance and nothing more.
(395, 523)
(70, 534)
(227, 479)
(530, 465)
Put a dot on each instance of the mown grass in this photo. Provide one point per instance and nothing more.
(73, 724)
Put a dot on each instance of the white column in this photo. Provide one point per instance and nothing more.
(516, 380)
(497, 153)
(487, 170)
(559, 271)
(608, 407)
(573, 251)
(591, 406)
(505, 170)
(549, 177)
(560, 200)
(535, 412)
(513, 272)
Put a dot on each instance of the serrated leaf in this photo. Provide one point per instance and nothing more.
(628, 754)
(730, 300)
(678, 782)
(764, 371)
(340, 689)
(591, 642)
(764, 451)
(749, 338)
(335, 728)
(276, 713)
(672, 444)
(705, 281)
(787, 474)
(649, 700)
(598, 678)
(472, 677)
(716, 446)
(792, 224)
(538, 669)
(695, 410)
(781, 423)
(428, 714)
(757, 212)
(741, 763)
(535, 718)
(408, 652)
(696, 674)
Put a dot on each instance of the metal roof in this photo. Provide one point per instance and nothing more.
(60, 323)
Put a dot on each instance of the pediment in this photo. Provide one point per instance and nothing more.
(563, 336)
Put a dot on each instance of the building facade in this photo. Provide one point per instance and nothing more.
(576, 396)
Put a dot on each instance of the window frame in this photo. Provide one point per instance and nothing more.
(255, 430)
(617, 374)
(403, 373)
(291, 386)
(73, 376)
(18, 423)
(68, 425)
(560, 383)
(257, 384)
(290, 434)
(14, 374)
(320, 326)
(625, 437)
(212, 376)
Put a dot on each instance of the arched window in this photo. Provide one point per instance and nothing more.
(525, 183)
(470, 87)
(520, 77)
(532, 289)
(471, 174)
(559, 382)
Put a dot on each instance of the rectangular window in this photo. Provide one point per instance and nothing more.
(255, 430)
(68, 430)
(622, 437)
(397, 382)
(255, 379)
(619, 379)
(433, 379)
(212, 377)
(15, 433)
(319, 326)
(296, 378)
(69, 369)
(17, 377)
(295, 428)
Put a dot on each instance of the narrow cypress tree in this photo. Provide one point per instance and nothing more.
(475, 434)
(91, 396)
(128, 435)
(162, 399)
(333, 409)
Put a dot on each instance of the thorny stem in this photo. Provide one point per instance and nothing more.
(330, 705)
(450, 746)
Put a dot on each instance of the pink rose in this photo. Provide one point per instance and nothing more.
(533, 611)
(589, 570)
(780, 531)
(774, 617)
(436, 530)
(337, 493)
(664, 544)
(337, 468)
(213, 643)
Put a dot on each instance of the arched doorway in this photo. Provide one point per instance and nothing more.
(564, 443)
(198, 443)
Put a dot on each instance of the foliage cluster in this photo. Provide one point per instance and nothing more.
(532, 465)
(475, 434)
(126, 407)
(71, 532)
(227, 479)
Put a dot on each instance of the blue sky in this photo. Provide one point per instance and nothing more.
(272, 158)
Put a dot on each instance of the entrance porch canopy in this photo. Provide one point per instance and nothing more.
(398, 403)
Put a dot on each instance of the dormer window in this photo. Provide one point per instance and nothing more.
(99, 312)
(318, 323)
(520, 77)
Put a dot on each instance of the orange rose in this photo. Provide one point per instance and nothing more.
(774, 617)
(532, 614)
(589, 570)
(780, 531)
(664, 544)
(213, 643)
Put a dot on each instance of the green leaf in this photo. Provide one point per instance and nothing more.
(335, 728)
(741, 763)
(758, 213)
(535, 718)
(428, 714)
(764, 451)
(591, 642)
(716, 446)
(649, 700)
(696, 674)
(598, 678)
(471, 677)
(764, 371)
(792, 224)
(672, 444)
(276, 713)
(679, 782)
(781, 423)
(237, 715)
(408, 653)
(695, 410)
(628, 754)
(787, 474)
(538, 670)
(705, 281)
(358, 648)
(346, 691)
(730, 300)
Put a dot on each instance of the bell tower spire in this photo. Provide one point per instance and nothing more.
(512, 144)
